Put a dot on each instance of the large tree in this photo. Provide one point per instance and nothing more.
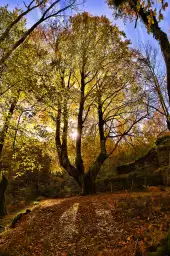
(97, 79)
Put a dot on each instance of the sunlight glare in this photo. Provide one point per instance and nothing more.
(74, 135)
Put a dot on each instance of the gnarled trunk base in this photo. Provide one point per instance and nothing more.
(88, 186)
(3, 187)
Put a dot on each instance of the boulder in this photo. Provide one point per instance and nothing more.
(151, 169)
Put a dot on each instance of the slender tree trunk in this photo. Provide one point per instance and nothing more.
(101, 128)
(4, 181)
(6, 123)
(161, 98)
(160, 36)
(157, 32)
(3, 187)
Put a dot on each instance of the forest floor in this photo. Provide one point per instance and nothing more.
(116, 224)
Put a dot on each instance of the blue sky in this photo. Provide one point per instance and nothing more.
(100, 7)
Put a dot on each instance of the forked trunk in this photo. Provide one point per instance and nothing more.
(89, 186)
(3, 187)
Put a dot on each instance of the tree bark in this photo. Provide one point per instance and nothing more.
(3, 187)
(62, 145)
(79, 160)
(88, 185)
(6, 123)
(4, 181)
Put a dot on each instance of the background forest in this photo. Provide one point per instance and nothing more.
(76, 101)
(84, 129)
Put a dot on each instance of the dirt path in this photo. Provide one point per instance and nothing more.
(82, 226)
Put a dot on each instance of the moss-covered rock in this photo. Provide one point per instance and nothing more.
(164, 171)
(164, 140)
(163, 150)
(160, 252)
(152, 169)
(163, 155)
(149, 162)
(137, 179)
(18, 217)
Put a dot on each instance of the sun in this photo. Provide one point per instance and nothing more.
(74, 134)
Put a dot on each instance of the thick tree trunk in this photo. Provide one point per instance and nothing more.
(3, 187)
(101, 127)
(89, 185)
(79, 161)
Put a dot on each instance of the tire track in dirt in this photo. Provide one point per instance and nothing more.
(97, 225)
(105, 218)
(87, 242)
(42, 233)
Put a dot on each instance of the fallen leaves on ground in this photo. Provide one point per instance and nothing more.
(102, 225)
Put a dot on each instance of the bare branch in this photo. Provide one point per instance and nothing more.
(8, 29)
(35, 25)
(126, 133)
